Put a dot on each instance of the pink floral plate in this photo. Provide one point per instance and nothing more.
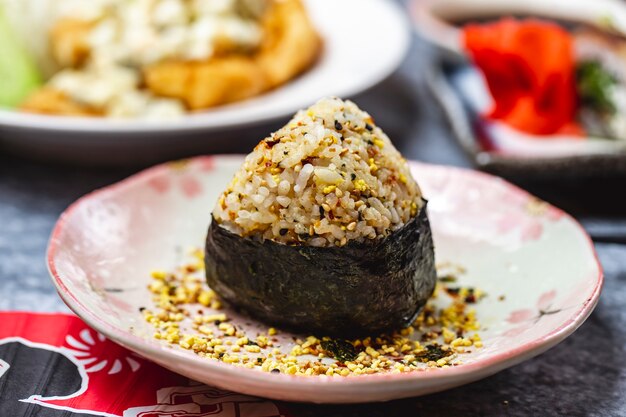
(535, 263)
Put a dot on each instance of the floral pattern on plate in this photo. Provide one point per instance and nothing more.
(526, 255)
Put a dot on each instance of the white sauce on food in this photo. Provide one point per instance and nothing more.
(130, 34)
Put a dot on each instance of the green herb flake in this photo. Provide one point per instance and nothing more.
(594, 84)
(433, 353)
(341, 350)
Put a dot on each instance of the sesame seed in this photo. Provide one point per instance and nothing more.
(211, 335)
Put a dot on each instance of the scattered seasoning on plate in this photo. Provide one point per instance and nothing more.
(187, 314)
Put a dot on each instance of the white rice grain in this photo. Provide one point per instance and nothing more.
(329, 177)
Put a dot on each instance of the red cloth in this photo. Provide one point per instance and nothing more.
(57, 363)
(529, 69)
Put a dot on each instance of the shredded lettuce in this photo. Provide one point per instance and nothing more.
(19, 76)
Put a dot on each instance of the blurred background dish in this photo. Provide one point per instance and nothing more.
(564, 116)
(161, 59)
(354, 57)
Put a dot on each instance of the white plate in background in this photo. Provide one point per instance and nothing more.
(364, 42)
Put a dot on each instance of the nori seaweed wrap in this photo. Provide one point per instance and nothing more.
(323, 229)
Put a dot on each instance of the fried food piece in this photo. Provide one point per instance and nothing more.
(206, 84)
(290, 46)
(68, 40)
(69, 49)
(50, 101)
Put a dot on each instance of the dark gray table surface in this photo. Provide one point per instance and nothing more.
(583, 376)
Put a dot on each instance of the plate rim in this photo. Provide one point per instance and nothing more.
(440, 32)
(490, 365)
(195, 122)
(459, 121)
